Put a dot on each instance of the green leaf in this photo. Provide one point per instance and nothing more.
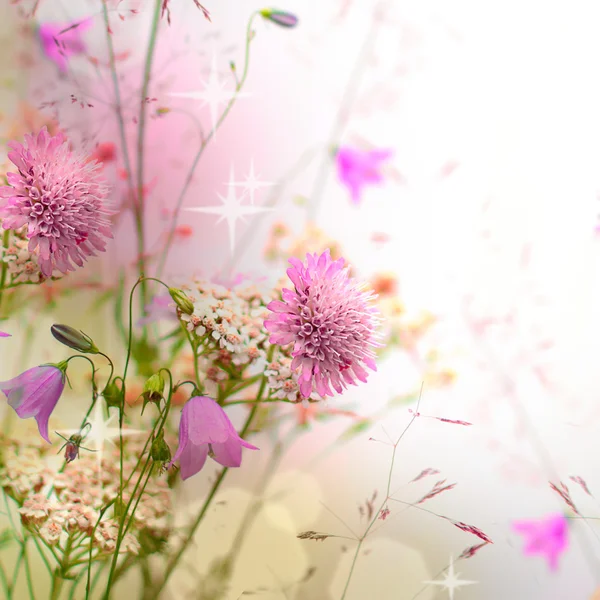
(6, 537)
(403, 400)
(101, 300)
(355, 429)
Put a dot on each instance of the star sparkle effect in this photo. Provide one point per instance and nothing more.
(101, 432)
(214, 94)
(252, 183)
(451, 581)
(231, 209)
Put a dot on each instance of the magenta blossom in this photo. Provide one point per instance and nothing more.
(359, 168)
(2, 334)
(330, 320)
(35, 393)
(62, 40)
(60, 196)
(546, 536)
(205, 428)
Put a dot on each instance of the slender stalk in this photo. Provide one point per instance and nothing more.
(117, 91)
(61, 571)
(139, 206)
(27, 570)
(3, 267)
(386, 499)
(348, 99)
(4, 580)
(122, 528)
(205, 141)
(215, 488)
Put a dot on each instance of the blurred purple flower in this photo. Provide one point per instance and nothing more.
(204, 428)
(60, 196)
(359, 168)
(2, 334)
(62, 40)
(546, 536)
(331, 321)
(161, 307)
(280, 17)
(35, 393)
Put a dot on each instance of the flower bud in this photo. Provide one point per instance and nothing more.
(74, 339)
(181, 299)
(153, 390)
(279, 17)
(113, 395)
(160, 454)
(160, 451)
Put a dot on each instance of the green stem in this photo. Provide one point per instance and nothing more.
(4, 579)
(215, 488)
(139, 206)
(61, 571)
(27, 570)
(43, 555)
(122, 528)
(3, 266)
(57, 582)
(97, 576)
(387, 497)
(348, 99)
(117, 91)
(190, 175)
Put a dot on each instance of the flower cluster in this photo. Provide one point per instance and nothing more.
(283, 380)
(22, 263)
(66, 505)
(228, 324)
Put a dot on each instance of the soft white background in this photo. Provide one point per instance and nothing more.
(509, 92)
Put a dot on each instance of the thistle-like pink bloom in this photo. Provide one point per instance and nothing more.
(62, 40)
(35, 393)
(546, 536)
(60, 197)
(205, 428)
(331, 321)
(359, 168)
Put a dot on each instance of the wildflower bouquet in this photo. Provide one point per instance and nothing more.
(191, 358)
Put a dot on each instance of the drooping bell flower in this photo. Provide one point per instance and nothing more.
(547, 537)
(35, 393)
(360, 168)
(205, 429)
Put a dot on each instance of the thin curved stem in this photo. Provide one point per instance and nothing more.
(215, 488)
(139, 206)
(348, 99)
(206, 140)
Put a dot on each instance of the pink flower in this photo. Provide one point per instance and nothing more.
(204, 428)
(359, 168)
(330, 320)
(546, 536)
(60, 197)
(160, 307)
(2, 334)
(35, 393)
(61, 40)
